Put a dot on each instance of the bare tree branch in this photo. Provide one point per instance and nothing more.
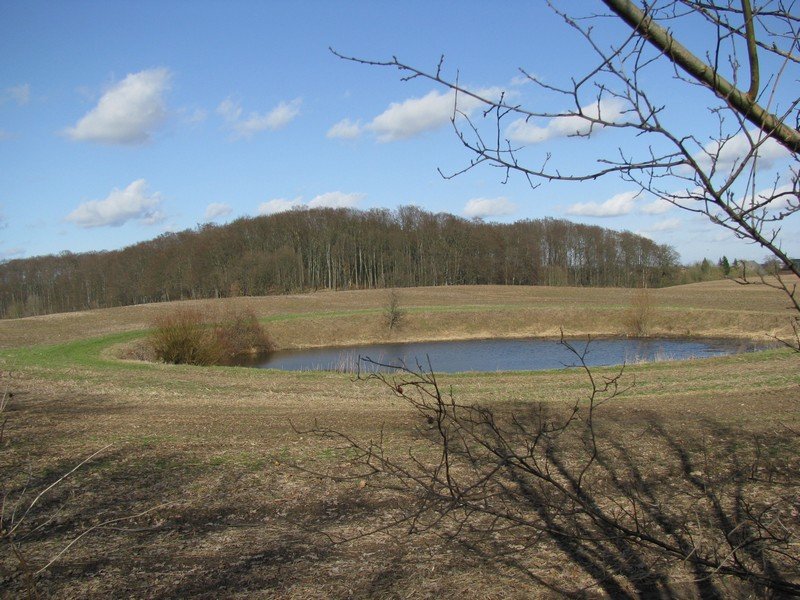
(743, 102)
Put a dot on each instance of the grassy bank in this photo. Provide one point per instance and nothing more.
(215, 456)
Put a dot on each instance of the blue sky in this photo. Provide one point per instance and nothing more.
(120, 121)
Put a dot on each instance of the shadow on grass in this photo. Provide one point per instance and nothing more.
(698, 488)
(628, 506)
(219, 529)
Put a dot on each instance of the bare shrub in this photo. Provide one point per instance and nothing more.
(393, 315)
(4, 399)
(187, 336)
(239, 333)
(639, 314)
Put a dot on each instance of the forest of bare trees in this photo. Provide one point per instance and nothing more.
(334, 249)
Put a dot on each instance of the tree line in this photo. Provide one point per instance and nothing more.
(334, 249)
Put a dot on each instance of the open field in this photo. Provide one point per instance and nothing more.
(208, 457)
(717, 308)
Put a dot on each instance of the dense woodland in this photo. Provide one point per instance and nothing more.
(334, 249)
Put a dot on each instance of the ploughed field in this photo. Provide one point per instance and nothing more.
(208, 486)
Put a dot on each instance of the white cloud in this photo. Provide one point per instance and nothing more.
(279, 117)
(730, 153)
(616, 206)
(527, 132)
(216, 210)
(153, 218)
(489, 207)
(657, 207)
(665, 225)
(278, 205)
(21, 94)
(128, 112)
(403, 120)
(345, 129)
(780, 198)
(413, 116)
(327, 200)
(121, 206)
(336, 200)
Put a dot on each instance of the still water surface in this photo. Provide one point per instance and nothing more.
(502, 354)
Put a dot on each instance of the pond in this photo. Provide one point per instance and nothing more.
(503, 354)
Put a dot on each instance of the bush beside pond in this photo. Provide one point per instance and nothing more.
(190, 337)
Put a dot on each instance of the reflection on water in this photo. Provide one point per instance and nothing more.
(502, 354)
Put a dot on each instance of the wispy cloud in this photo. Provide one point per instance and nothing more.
(21, 94)
(616, 206)
(12, 253)
(128, 112)
(215, 210)
(521, 79)
(657, 207)
(230, 110)
(528, 132)
(119, 207)
(665, 225)
(722, 236)
(246, 127)
(193, 117)
(489, 207)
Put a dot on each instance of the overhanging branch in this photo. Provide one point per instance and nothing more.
(739, 100)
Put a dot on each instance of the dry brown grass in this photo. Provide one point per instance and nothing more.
(218, 444)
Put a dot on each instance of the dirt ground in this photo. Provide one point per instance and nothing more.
(208, 484)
